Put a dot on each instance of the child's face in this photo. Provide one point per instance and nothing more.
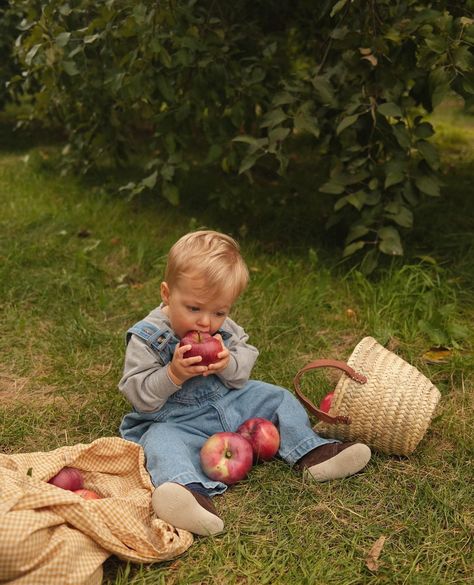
(189, 308)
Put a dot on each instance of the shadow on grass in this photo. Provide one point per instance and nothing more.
(17, 139)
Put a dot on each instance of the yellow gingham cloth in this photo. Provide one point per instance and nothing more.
(52, 536)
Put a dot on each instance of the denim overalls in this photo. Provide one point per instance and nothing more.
(173, 436)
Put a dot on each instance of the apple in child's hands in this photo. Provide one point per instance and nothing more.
(203, 344)
(326, 402)
(69, 478)
(226, 457)
(87, 494)
(263, 435)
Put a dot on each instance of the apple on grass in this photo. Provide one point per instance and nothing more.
(203, 344)
(326, 402)
(263, 435)
(226, 457)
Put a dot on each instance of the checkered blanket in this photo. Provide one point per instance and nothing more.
(52, 536)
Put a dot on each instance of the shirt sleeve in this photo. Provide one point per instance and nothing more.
(242, 358)
(145, 381)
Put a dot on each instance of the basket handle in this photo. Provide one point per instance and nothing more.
(324, 363)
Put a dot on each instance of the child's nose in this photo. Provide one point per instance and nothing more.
(204, 319)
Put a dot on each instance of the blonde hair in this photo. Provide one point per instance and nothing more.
(211, 256)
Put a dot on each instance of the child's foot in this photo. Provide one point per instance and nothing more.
(335, 460)
(186, 509)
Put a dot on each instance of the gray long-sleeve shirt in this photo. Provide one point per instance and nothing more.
(145, 381)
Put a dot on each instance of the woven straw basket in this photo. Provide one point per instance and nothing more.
(383, 401)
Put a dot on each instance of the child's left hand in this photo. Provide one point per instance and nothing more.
(223, 356)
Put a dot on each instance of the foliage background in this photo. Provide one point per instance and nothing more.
(243, 91)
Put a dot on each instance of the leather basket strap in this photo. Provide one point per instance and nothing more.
(325, 363)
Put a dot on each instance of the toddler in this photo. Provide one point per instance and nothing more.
(179, 403)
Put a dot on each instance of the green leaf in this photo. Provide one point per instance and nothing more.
(214, 152)
(439, 84)
(409, 194)
(401, 134)
(429, 152)
(249, 161)
(165, 88)
(346, 122)
(394, 177)
(338, 7)
(249, 140)
(424, 130)
(340, 203)
(390, 241)
(62, 39)
(357, 200)
(428, 184)
(88, 39)
(390, 109)
(273, 118)
(339, 33)
(356, 232)
(167, 172)
(303, 122)
(150, 181)
(369, 261)
(463, 59)
(324, 90)
(352, 248)
(372, 198)
(403, 217)
(70, 68)
(283, 98)
(436, 44)
(332, 188)
(171, 192)
(31, 54)
(278, 134)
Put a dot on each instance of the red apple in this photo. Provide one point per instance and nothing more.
(203, 344)
(263, 435)
(326, 402)
(69, 478)
(226, 457)
(87, 494)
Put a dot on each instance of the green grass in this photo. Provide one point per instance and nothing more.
(78, 265)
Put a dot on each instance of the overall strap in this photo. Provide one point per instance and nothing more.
(152, 335)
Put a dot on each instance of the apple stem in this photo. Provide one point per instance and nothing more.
(199, 337)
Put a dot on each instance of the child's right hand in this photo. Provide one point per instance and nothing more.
(181, 369)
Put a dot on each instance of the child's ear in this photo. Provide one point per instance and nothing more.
(165, 292)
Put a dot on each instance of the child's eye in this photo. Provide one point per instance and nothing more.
(193, 309)
(220, 314)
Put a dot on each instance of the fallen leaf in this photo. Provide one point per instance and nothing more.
(372, 559)
(437, 355)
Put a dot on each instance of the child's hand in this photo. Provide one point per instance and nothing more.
(181, 369)
(223, 356)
